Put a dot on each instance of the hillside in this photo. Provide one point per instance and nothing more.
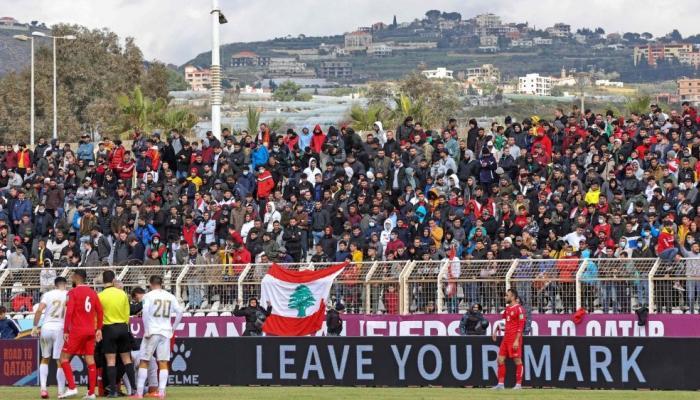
(446, 40)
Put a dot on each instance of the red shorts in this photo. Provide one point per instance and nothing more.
(80, 343)
(506, 349)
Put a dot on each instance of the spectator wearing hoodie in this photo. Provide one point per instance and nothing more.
(8, 327)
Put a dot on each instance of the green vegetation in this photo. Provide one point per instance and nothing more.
(352, 393)
(140, 113)
(638, 105)
(92, 72)
(289, 91)
(363, 118)
(429, 101)
(253, 119)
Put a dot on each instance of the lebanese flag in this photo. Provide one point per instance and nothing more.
(298, 299)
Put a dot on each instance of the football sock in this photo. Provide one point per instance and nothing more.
(43, 375)
(129, 389)
(60, 380)
(162, 381)
(112, 378)
(130, 376)
(65, 366)
(152, 373)
(501, 373)
(92, 378)
(519, 374)
(143, 373)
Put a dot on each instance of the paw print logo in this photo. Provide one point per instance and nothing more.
(180, 356)
(76, 365)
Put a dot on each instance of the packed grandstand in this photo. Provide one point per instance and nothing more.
(575, 210)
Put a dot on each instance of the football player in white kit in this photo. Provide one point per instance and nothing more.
(53, 303)
(158, 308)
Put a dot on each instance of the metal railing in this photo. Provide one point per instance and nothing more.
(609, 285)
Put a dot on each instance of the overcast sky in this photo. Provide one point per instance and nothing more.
(176, 30)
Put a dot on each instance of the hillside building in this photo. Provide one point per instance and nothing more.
(199, 79)
(358, 40)
(534, 84)
(335, 70)
(249, 59)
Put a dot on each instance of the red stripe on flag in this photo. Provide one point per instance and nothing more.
(294, 276)
(277, 325)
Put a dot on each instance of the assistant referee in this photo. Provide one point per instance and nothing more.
(115, 332)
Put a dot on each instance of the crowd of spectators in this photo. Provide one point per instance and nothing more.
(568, 186)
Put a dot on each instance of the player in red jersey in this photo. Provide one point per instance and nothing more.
(512, 344)
(82, 328)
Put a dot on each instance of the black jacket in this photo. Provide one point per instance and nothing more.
(471, 324)
(251, 315)
(334, 324)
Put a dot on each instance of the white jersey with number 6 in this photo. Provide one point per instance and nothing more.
(159, 306)
(55, 311)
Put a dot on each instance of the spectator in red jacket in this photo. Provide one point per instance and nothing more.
(666, 247)
(265, 183)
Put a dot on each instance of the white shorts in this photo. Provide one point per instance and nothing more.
(158, 344)
(51, 341)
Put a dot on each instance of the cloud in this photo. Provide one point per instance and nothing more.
(177, 30)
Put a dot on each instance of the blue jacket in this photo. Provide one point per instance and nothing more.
(145, 233)
(86, 151)
(21, 207)
(8, 329)
(260, 156)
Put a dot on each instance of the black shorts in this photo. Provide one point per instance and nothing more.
(116, 339)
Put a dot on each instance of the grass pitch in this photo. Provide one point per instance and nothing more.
(352, 393)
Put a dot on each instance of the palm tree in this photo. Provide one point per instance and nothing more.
(139, 112)
(364, 118)
(406, 107)
(638, 105)
(179, 119)
(276, 124)
(253, 118)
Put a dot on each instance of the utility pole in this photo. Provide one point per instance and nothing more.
(217, 18)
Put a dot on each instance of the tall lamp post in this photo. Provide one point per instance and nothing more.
(54, 38)
(30, 39)
(217, 18)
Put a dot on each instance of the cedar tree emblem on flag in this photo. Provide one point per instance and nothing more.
(297, 299)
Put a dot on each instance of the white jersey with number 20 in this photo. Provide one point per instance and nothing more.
(55, 312)
(159, 306)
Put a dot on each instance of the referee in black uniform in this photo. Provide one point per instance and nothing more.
(115, 332)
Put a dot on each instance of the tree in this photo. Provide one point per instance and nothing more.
(433, 15)
(363, 118)
(253, 119)
(301, 299)
(600, 31)
(394, 24)
(155, 80)
(378, 92)
(178, 118)
(452, 16)
(557, 91)
(92, 71)
(176, 81)
(289, 91)
(471, 91)
(675, 36)
(638, 105)
(138, 112)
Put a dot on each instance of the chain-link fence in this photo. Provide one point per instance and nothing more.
(384, 289)
(464, 283)
(402, 287)
(676, 286)
(614, 285)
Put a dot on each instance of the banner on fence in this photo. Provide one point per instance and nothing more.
(18, 362)
(629, 363)
(659, 325)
